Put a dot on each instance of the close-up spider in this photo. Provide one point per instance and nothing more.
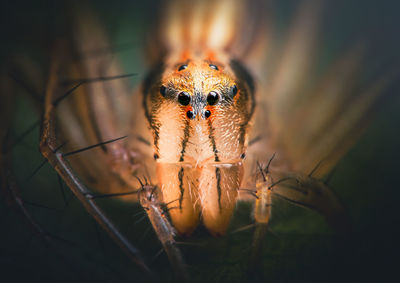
(193, 141)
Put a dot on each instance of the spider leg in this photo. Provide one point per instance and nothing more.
(8, 183)
(149, 200)
(56, 159)
(10, 188)
(306, 191)
(262, 215)
(297, 188)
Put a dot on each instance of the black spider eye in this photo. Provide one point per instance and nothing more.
(234, 90)
(182, 67)
(214, 67)
(207, 113)
(163, 90)
(212, 98)
(189, 114)
(184, 98)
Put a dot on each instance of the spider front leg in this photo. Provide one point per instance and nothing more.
(297, 188)
(305, 191)
(262, 216)
(148, 196)
(49, 149)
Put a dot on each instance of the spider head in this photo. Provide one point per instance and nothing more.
(200, 88)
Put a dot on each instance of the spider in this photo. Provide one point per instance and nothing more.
(204, 129)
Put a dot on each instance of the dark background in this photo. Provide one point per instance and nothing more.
(301, 247)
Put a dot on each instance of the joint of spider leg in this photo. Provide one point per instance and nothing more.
(89, 196)
(152, 194)
(57, 149)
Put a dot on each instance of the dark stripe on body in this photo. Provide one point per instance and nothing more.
(242, 131)
(218, 176)
(150, 82)
(151, 85)
(212, 139)
(182, 190)
(186, 135)
(244, 76)
(216, 158)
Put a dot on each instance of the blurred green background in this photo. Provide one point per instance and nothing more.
(300, 247)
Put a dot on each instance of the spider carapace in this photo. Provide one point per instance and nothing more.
(199, 109)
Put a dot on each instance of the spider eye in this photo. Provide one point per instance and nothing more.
(214, 67)
(234, 91)
(182, 67)
(184, 98)
(207, 113)
(163, 90)
(189, 114)
(212, 98)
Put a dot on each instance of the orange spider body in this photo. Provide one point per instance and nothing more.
(199, 111)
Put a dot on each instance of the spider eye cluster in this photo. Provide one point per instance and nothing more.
(213, 98)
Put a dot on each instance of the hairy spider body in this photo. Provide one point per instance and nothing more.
(198, 144)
